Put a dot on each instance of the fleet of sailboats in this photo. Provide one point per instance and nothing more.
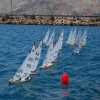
(76, 39)
(53, 52)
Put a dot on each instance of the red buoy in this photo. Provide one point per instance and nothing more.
(64, 79)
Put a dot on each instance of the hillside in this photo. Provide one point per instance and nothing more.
(51, 7)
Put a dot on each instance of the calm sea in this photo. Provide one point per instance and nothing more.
(84, 69)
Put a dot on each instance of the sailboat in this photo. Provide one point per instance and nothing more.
(52, 53)
(72, 37)
(28, 66)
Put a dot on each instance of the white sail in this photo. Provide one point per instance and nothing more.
(69, 37)
(46, 38)
(72, 37)
(77, 39)
(51, 38)
(33, 48)
(77, 46)
(83, 39)
(37, 56)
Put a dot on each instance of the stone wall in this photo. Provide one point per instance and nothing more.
(54, 20)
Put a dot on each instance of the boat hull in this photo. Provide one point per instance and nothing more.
(46, 66)
(11, 81)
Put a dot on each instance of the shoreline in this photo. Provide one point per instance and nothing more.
(51, 20)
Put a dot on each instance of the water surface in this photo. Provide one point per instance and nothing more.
(84, 69)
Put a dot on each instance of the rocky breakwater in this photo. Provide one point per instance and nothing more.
(53, 20)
